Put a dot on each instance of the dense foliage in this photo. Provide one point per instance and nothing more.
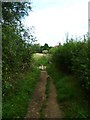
(15, 105)
(16, 50)
(72, 57)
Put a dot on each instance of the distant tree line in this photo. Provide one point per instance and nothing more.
(37, 48)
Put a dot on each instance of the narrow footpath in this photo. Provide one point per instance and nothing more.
(51, 109)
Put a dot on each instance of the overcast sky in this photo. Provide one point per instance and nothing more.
(54, 18)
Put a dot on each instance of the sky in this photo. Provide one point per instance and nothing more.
(53, 19)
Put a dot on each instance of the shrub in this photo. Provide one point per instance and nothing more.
(72, 57)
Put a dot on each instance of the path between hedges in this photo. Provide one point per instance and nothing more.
(38, 99)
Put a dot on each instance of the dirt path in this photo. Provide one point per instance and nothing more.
(52, 108)
(38, 97)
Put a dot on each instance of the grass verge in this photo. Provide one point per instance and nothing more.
(15, 105)
(70, 96)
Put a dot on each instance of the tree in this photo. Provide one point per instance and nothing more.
(16, 55)
(45, 47)
(36, 48)
(12, 12)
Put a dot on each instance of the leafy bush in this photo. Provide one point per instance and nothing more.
(16, 50)
(72, 57)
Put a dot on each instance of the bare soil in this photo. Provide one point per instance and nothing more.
(52, 109)
(38, 97)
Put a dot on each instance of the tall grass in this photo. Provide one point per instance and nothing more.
(70, 95)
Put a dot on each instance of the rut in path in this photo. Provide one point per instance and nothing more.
(38, 97)
(52, 109)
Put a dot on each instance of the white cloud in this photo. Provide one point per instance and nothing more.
(53, 22)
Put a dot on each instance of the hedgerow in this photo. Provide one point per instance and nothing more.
(16, 51)
(73, 57)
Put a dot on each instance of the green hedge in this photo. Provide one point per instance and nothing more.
(73, 57)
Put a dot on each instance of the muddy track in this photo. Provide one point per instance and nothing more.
(39, 97)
